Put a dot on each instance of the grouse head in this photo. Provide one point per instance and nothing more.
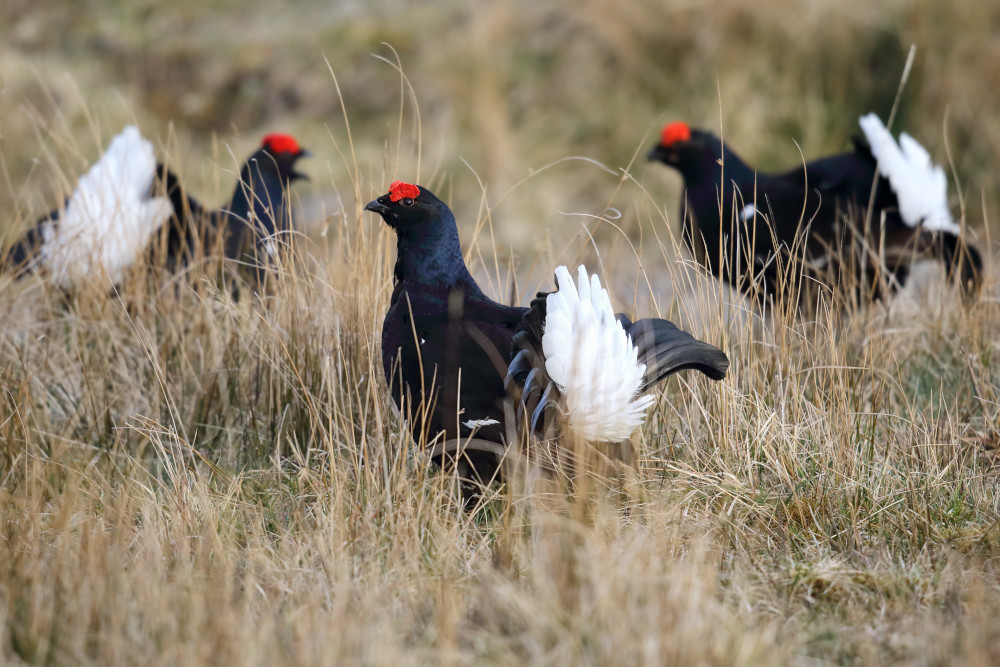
(277, 156)
(677, 142)
(412, 211)
(695, 153)
(428, 249)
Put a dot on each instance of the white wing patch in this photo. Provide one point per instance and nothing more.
(920, 186)
(592, 360)
(475, 423)
(110, 218)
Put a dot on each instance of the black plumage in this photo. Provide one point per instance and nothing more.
(447, 348)
(258, 209)
(742, 225)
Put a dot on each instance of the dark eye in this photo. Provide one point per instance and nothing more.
(406, 201)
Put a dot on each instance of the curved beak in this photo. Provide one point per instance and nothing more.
(298, 175)
(376, 207)
(659, 153)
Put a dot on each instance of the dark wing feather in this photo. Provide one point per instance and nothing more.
(847, 180)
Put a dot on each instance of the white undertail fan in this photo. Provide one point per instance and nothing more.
(921, 190)
(921, 186)
(110, 219)
(592, 360)
(581, 361)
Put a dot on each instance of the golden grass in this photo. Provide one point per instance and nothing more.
(188, 479)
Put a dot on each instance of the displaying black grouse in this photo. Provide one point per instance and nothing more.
(257, 214)
(115, 212)
(453, 357)
(742, 224)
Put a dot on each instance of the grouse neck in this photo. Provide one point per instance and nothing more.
(717, 161)
(433, 258)
(240, 204)
(259, 191)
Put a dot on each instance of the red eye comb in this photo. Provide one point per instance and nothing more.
(675, 132)
(281, 143)
(400, 190)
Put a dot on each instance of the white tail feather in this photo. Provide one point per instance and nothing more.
(920, 186)
(110, 218)
(592, 360)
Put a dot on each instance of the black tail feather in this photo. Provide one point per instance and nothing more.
(23, 256)
(26, 249)
(962, 261)
(665, 350)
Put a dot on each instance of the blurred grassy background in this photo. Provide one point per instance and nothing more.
(188, 479)
(506, 86)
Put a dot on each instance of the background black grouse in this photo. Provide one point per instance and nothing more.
(258, 209)
(817, 211)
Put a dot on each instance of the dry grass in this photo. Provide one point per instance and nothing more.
(186, 479)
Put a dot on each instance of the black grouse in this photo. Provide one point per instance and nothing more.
(816, 212)
(456, 361)
(258, 212)
(116, 210)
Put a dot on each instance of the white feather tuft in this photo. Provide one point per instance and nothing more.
(476, 423)
(592, 360)
(110, 218)
(920, 186)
